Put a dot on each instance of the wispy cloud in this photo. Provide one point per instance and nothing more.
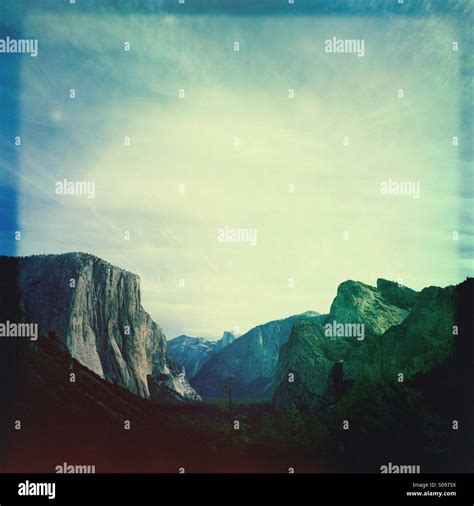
(236, 141)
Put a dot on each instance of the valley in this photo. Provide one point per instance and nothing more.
(283, 396)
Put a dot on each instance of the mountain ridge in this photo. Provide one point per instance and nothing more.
(192, 353)
(423, 339)
(251, 359)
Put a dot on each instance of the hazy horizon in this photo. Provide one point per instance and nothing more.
(240, 332)
(251, 157)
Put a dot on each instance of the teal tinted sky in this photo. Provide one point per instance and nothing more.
(282, 141)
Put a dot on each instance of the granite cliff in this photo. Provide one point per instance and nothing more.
(251, 359)
(406, 333)
(94, 309)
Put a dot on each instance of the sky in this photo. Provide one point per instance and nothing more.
(302, 170)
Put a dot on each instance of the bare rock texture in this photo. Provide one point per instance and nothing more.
(251, 360)
(94, 309)
(192, 353)
(408, 333)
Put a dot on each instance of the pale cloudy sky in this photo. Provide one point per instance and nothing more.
(283, 142)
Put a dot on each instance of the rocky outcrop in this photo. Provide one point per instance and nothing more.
(94, 309)
(307, 368)
(425, 339)
(397, 294)
(379, 308)
(408, 333)
(251, 359)
(191, 353)
(225, 340)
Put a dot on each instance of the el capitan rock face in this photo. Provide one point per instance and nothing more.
(251, 359)
(94, 309)
(419, 341)
(192, 353)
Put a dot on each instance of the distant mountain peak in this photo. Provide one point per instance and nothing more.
(192, 353)
(227, 338)
(251, 359)
(311, 313)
